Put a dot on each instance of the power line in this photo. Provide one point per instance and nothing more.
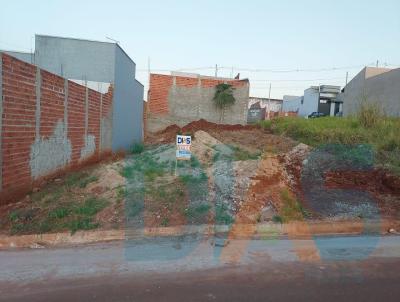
(279, 70)
(297, 69)
(298, 80)
(278, 87)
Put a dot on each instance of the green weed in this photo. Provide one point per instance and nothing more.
(292, 208)
(137, 148)
(241, 154)
(82, 223)
(165, 222)
(194, 162)
(197, 211)
(74, 179)
(87, 180)
(216, 156)
(277, 219)
(121, 192)
(222, 214)
(91, 206)
(59, 213)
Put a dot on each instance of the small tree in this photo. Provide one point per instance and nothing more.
(223, 98)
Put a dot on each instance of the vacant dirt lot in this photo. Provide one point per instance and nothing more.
(237, 175)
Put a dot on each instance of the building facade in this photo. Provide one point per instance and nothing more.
(323, 98)
(379, 86)
(263, 108)
(255, 113)
(291, 103)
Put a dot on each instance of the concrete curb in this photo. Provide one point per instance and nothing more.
(294, 230)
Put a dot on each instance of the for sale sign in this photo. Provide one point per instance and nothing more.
(183, 143)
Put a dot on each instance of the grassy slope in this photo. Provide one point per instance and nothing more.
(383, 136)
(58, 207)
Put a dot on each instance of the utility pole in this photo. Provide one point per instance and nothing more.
(347, 77)
(269, 101)
(216, 70)
(148, 67)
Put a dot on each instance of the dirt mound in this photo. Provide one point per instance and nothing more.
(202, 146)
(205, 125)
(168, 134)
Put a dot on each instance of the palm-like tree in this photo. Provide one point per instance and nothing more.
(223, 98)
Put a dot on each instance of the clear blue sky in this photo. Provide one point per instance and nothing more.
(183, 34)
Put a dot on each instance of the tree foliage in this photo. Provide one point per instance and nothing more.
(223, 98)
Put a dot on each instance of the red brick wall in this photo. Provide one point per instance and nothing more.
(160, 85)
(76, 119)
(51, 102)
(18, 127)
(158, 93)
(18, 121)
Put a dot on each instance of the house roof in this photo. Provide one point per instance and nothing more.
(255, 106)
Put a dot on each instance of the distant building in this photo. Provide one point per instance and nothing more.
(255, 113)
(97, 65)
(374, 85)
(291, 103)
(258, 108)
(316, 99)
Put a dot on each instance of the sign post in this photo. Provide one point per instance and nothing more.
(183, 144)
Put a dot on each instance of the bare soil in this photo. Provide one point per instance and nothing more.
(239, 174)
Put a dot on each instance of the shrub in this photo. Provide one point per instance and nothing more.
(292, 208)
(137, 148)
(369, 114)
(266, 125)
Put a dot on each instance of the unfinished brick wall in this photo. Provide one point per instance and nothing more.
(180, 99)
(158, 93)
(47, 124)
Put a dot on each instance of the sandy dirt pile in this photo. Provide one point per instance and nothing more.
(202, 146)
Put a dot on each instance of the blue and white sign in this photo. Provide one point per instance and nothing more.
(183, 143)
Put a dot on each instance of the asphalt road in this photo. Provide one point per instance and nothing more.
(198, 269)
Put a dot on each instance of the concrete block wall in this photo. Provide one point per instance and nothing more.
(179, 100)
(47, 124)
